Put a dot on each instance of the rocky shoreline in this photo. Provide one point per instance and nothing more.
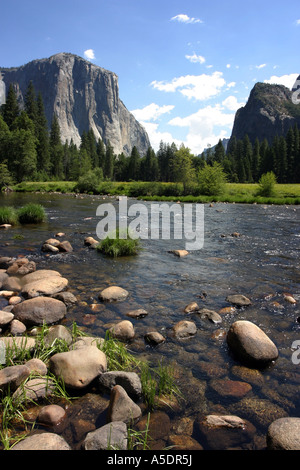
(37, 296)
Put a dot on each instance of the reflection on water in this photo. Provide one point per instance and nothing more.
(263, 262)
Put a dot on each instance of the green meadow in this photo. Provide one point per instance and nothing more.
(158, 191)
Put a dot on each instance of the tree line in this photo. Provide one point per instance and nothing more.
(29, 151)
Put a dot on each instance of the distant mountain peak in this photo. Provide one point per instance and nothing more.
(268, 112)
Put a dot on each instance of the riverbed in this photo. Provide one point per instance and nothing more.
(251, 250)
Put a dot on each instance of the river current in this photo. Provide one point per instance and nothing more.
(248, 249)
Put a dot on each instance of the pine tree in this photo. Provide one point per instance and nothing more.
(10, 110)
(134, 165)
(30, 102)
(108, 169)
(56, 150)
(42, 134)
(219, 154)
(256, 160)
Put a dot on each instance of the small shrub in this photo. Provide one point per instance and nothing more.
(89, 182)
(8, 215)
(31, 214)
(267, 185)
(212, 180)
(115, 247)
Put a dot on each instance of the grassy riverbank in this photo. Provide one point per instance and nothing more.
(156, 191)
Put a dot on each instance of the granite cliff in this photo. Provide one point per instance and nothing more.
(83, 96)
(270, 111)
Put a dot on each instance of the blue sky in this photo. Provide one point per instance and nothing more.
(184, 67)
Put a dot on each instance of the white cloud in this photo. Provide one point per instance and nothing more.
(186, 19)
(231, 84)
(151, 112)
(261, 66)
(232, 103)
(205, 127)
(195, 58)
(198, 87)
(156, 136)
(286, 80)
(89, 54)
(298, 22)
(228, 66)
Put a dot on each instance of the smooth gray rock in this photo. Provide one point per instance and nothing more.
(111, 436)
(130, 381)
(11, 377)
(43, 441)
(113, 294)
(122, 407)
(250, 344)
(34, 312)
(238, 300)
(123, 331)
(79, 367)
(184, 329)
(210, 315)
(58, 332)
(284, 434)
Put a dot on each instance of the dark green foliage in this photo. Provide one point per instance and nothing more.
(116, 246)
(31, 214)
(8, 215)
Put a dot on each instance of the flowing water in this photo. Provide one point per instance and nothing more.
(262, 263)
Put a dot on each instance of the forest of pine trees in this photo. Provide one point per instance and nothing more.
(30, 152)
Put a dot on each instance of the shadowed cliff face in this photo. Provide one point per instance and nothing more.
(83, 96)
(269, 111)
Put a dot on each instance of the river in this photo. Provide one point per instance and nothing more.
(262, 263)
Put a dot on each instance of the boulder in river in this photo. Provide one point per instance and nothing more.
(250, 344)
(123, 331)
(79, 367)
(184, 329)
(238, 300)
(113, 294)
(36, 311)
(122, 407)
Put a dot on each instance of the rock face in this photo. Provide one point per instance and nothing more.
(83, 96)
(268, 112)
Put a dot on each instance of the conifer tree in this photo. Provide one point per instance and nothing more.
(10, 110)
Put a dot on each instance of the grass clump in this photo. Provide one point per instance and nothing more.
(8, 215)
(31, 214)
(116, 246)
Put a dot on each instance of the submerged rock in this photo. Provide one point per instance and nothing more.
(238, 300)
(184, 329)
(154, 337)
(221, 432)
